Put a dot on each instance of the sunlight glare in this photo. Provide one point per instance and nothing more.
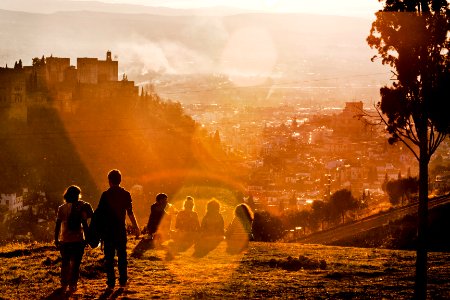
(249, 56)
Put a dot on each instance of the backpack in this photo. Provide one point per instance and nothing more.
(74, 219)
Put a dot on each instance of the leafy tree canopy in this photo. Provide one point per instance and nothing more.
(412, 37)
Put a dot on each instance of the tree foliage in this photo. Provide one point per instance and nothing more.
(267, 227)
(412, 38)
(343, 201)
(300, 218)
(321, 211)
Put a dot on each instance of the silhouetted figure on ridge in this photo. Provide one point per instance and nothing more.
(239, 232)
(114, 204)
(71, 223)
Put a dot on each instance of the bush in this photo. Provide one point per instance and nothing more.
(267, 227)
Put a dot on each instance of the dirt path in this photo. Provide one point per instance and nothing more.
(329, 236)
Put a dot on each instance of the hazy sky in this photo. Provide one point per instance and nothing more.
(363, 8)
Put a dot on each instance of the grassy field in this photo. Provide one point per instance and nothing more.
(266, 270)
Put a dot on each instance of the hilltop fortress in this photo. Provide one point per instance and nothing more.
(53, 81)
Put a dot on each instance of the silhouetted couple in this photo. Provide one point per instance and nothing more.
(108, 224)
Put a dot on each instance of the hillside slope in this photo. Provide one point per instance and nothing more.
(401, 234)
(264, 271)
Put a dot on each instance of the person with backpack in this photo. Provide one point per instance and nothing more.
(70, 231)
(115, 203)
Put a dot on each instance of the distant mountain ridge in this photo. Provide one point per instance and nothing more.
(52, 6)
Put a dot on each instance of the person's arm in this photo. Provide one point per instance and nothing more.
(153, 222)
(134, 223)
(57, 230)
(222, 225)
(86, 214)
(178, 222)
(229, 230)
(133, 219)
(197, 223)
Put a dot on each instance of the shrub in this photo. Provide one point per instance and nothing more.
(267, 227)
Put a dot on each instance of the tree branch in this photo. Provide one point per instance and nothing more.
(412, 131)
(431, 138)
(439, 139)
(399, 134)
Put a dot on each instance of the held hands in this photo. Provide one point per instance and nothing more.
(137, 232)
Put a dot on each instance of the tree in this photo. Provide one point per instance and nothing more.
(320, 211)
(410, 186)
(394, 190)
(267, 227)
(302, 218)
(342, 201)
(412, 37)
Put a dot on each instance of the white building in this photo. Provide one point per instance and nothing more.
(13, 201)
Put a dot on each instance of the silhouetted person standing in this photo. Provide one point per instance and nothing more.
(114, 204)
(71, 221)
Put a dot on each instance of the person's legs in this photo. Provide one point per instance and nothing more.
(109, 250)
(65, 265)
(122, 261)
(77, 255)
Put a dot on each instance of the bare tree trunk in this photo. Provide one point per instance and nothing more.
(421, 259)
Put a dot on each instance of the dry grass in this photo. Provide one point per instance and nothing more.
(264, 271)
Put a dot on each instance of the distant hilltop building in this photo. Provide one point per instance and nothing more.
(54, 81)
(349, 120)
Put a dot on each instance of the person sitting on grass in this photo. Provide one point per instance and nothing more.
(239, 232)
(187, 219)
(71, 223)
(212, 223)
(186, 224)
(211, 230)
(160, 219)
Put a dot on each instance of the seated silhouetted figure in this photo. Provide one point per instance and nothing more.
(158, 226)
(239, 232)
(159, 221)
(211, 230)
(187, 225)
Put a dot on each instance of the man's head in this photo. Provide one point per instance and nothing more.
(189, 203)
(114, 177)
(161, 198)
